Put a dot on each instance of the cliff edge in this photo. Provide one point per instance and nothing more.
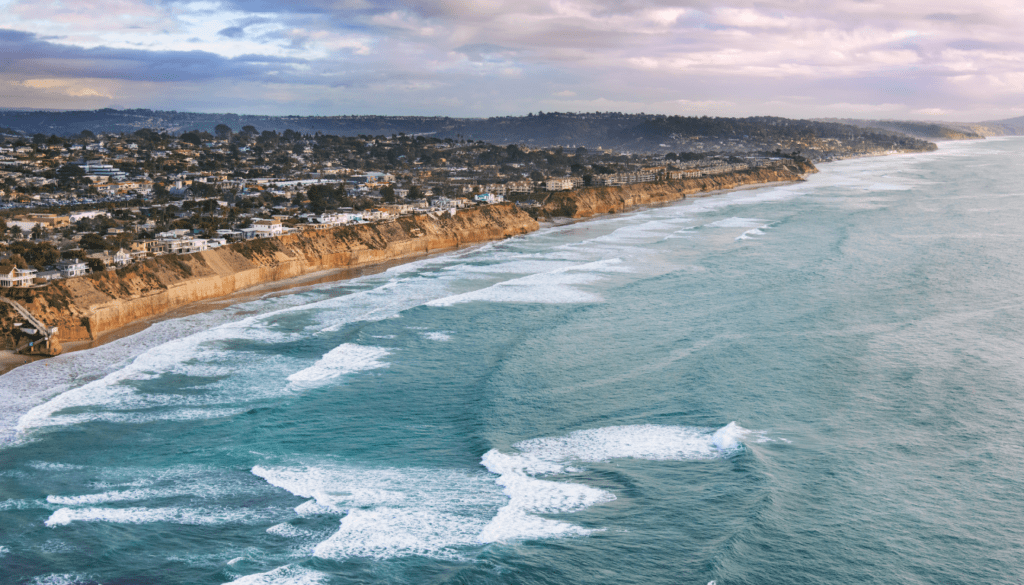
(84, 308)
(591, 201)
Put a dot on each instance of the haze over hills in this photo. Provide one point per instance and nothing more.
(617, 131)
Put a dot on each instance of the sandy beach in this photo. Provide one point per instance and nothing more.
(10, 360)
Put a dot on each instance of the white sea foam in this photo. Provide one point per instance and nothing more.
(554, 287)
(737, 222)
(397, 512)
(888, 187)
(140, 417)
(391, 512)
(48, 466)
(528, 495)
(385, 532)
(312, 508)
(24, 505)
(338, 488)
(344, 359)
(193, 516)
(438, 335)
(4, 551)
(287, 575)
(750, 234)
(729, 436)
(116, 496)
(60, 579)
(185, 482)
(525, 266)
(286, 530)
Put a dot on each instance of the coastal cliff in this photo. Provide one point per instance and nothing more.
(84, 308)
(591, 201)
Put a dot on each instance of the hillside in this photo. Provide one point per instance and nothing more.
(616, 131)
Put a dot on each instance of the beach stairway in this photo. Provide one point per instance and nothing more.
(41, 328)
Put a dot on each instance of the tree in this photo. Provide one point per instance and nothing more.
(222, 131)
(38, 231)
(93, 242)
(18, 261)
(160, 193)
(15, 231)
(415, 192)
(95, 264)
(249, 130)
(388, 194)
(195, 137)
(38, 255)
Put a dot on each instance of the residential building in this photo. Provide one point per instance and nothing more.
(20, 277)
(558, 184)
(72, 267)
(267, 228)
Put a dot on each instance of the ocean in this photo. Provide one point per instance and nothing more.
(818, 382)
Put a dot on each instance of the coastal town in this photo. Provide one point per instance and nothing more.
(72, 206)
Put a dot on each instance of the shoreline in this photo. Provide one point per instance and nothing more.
(10, 361)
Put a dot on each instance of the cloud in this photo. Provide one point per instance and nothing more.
(68, 87)
(231, 32)
(847, 57)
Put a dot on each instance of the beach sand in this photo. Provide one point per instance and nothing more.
(10, 360)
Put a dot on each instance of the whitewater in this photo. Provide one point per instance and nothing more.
(817, 382)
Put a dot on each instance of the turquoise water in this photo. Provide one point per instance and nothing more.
(810, 383)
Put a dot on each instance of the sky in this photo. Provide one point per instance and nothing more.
(906, 59)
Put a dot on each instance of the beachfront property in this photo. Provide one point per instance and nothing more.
(71, 267)
(266, 228)
(118, 259)
(18, 277)
(558, 184)
(182, 245)
(488, 198)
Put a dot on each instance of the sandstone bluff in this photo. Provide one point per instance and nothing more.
(85, 308)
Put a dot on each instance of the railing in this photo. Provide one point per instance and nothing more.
(41, 327)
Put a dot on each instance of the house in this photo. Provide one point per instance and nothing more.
(230, 235)
(519, 187)
(72, 267)
(684, 174)
(21, 277)
(558, 184)
(122, 257)
(48, 220)
(267, 228)
(488, 198)
(184, 245)
(46, 276)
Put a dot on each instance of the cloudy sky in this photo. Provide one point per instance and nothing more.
(919, 59)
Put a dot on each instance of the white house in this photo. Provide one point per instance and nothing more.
(18, 277)
(184, 245)
(488, 198)
(558, 184)
(267, 228)
(71, 267)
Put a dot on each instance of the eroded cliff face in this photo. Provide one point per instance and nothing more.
(592, 201)
(84, 308)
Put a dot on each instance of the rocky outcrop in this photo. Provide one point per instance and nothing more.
(83, 308)
(591, 201)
